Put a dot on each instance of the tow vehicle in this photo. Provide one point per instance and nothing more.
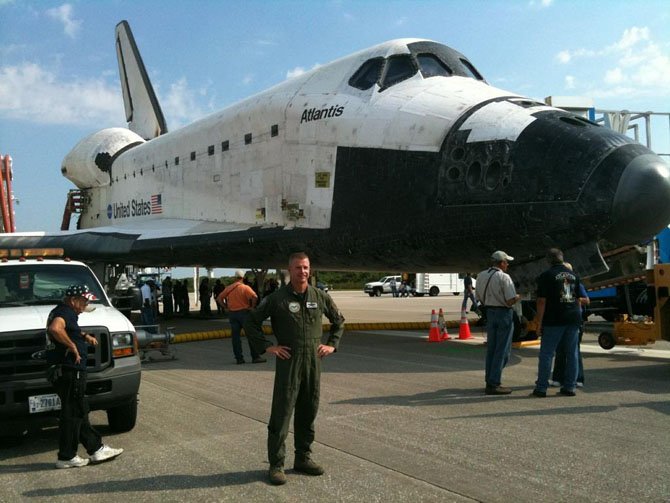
(32, 283)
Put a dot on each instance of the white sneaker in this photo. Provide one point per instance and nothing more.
(554, 384)
(75, 462)
(580, 384)
(105, 453)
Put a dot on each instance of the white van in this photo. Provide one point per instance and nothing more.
(433, 283)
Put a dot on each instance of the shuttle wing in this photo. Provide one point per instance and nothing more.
(170, 242)
(143, 113)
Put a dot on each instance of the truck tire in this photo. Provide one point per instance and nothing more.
(123, 417)
(434, 291)
(371, 294)
(456, 293)
(378, 292)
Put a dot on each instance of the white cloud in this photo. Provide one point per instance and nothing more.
(540, 3)
(614, 76)
(569, 82)
(181, 104)
(247, 79)
(632, 36)
(30, 93)
(64, 15)
(632, 66)
(299, 70)
(296, 72)
(401, 21)
(563, 57)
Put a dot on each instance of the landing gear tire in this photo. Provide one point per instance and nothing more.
(606, 340)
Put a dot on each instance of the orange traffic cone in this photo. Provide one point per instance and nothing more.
(434, 334)
(464, 328)
(444, 335)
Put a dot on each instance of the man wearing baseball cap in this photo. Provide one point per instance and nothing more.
(66, 354)
(497, 295)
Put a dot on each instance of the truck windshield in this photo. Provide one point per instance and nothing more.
(42, 284)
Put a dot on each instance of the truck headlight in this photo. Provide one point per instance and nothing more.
(124, 344)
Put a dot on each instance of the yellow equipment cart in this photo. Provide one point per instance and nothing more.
(642, 331)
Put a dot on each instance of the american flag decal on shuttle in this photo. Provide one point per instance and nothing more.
(156, 204)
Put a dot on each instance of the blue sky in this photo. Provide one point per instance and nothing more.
(59, 76)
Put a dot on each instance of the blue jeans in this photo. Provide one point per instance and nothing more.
(561, 358)
(552, 336)
(148, 318)
(499, 328)
(468, 296)
(237, 319)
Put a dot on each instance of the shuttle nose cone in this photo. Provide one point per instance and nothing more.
(641, 206)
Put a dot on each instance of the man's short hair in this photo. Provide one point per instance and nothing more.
(554, 256)
(297, 256)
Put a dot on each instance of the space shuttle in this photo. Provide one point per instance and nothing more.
(400, 157)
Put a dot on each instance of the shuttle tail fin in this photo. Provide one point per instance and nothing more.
(143, 113)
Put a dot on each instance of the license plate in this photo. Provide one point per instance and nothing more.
(43, 403)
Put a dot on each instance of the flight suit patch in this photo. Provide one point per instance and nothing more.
(294, 307)
(312, 305)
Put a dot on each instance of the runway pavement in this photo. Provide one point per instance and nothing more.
(400, 420)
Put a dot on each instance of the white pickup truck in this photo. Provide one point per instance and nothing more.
(29, 289)
(376, 288)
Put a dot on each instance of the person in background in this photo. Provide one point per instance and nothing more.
(216, 291)
(497, 294)
(561, 356)
(468, 293)
(147, 307)
(394, 287)
(205, 293)
(559, 315)
(238, 298)
(167, 297)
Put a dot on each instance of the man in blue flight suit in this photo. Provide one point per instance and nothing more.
(295, 311)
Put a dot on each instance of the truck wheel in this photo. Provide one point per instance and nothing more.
(378, 292)
(457, 293)
(123, 417)
(606, 340)
(434, 291)
(371, 294)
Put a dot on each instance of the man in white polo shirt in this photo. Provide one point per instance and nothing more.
(496, 293)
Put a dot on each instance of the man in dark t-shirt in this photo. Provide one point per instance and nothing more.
(67, 353)
(559, 315)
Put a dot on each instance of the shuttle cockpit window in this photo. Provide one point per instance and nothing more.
(431, 66)
(398, 68)
(368, 74)
(471, 70)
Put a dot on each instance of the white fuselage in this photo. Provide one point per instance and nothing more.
(270, 159)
